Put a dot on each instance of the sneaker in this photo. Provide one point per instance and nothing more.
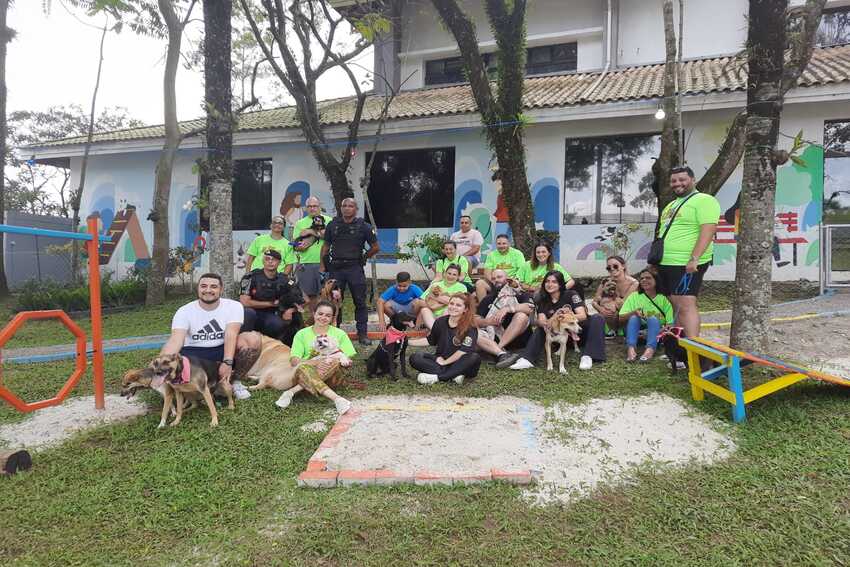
(609, 335)
(681, 365)
(342, 405)
(458, 380)
(521, 364)
(586, 363)
(284, 401)
(506, 359)
(427, 379)
(240, 391)
(364, 340)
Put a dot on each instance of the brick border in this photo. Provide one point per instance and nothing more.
(317, 475)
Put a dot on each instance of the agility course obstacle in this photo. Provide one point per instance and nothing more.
(92, 241)
(731, 362)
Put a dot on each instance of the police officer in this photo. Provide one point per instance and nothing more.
(346, 237)
(270, 300)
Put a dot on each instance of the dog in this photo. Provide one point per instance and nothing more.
(669, 339)
(393, 346)
(432, 301)
(327, 348)
(143, 378)
(610, 295)
(563, 326)
(333, 293)
(272, 368)
(310, 236)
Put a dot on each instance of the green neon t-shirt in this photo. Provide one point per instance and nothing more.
(265, 242)
(456, 287)
(511, 261)
(461, 261)
(302, 344)
(641, 301)
(530, 276)
(312, 254)
(684, 232)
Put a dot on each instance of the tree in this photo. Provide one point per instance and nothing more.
(217, 167)
(6, 35)
(769, 78)
(671, 153)
(501, 111)
(313, 28)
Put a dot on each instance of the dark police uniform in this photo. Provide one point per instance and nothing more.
(346, 258)
(258, 286)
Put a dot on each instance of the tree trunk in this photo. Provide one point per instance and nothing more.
(162, 190)
(5, 37)
(500, 113)
(218, 169)
(669, 156)
(765, 47)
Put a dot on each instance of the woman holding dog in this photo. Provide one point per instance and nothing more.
(434, 300)
(625, 284)
(531, 274)
(646, 309)
(314, 377)
(455, 337)
(553, 296)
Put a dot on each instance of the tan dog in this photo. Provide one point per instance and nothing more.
(327, 348)
(432, 301)
(168, 370)
(563, 326)
(272, 369)
(610, 295)
(142, 378)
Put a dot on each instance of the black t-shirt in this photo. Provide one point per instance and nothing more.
(484, 306)
(569, 298)
(258, 286)
(443, 337)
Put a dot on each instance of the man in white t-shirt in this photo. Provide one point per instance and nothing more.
(209, 328)
(468, 241)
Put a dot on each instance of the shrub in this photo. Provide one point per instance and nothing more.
(37, 295)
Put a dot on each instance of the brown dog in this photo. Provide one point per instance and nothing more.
(272, 369)
(563, 326)
(610, 295)
(143, 378)
(170, 370)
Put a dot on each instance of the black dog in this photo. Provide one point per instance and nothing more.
(290, 295)
(383, 359)
(669, 338)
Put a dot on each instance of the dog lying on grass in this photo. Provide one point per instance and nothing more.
(272, 369)
(393, 347)
(563, 326)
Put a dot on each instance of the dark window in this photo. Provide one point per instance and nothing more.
(539, 60)
(252, 194)
(834, 27)
(413, 188)
(836, 172)
(609, 180)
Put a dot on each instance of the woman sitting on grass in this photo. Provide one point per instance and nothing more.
(626, 285)
(531, 274)
(434, 300)
(645, 309)
(316, 370)
(455, 337)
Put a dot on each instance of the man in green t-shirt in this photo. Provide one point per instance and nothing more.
(272, 241)
(506, 258)
(307, 272)
(688, 246)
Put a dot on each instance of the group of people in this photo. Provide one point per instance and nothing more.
(505, 313)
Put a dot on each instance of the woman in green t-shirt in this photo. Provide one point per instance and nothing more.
(451, 257)
(314, 369)
(646, 308)
(433, 302)
(531, 275)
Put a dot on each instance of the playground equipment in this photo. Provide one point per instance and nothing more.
(731, 362)
(92, 240)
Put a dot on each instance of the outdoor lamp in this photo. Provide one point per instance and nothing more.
(660, 114)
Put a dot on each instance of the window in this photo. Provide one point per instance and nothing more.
(836, 172)
(252, 194)
(609, 180)
(834, 27)
(413, 188)
(539, 60)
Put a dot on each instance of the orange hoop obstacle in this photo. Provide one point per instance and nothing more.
(92, 239)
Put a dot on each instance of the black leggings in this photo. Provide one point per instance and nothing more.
(591, 340)
(467, 365)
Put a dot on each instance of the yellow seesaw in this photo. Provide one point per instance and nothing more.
(731, 361)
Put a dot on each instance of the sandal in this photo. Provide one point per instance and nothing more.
(645, 358)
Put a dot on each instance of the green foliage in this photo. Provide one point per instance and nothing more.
(425, 248)
(48, 294)
(618, 240)
(550, 236)
(371, 25)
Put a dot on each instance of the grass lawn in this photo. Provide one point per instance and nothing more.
(133, 495)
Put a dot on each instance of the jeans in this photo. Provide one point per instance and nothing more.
(468, 365)
(633, 327)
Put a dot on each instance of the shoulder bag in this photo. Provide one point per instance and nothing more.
(656, 250)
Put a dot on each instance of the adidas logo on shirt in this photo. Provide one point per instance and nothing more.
(210, 332)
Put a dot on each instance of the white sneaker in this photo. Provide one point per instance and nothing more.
(284, 401)
(521, 364)
(681, 365)
(342, 405)
(586, 363)
(458, 380)
(240, 391)
(427, 379)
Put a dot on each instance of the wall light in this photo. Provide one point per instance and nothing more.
(660, 114)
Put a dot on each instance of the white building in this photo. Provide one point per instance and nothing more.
(593, 87)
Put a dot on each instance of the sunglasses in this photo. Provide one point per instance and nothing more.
(612, 268)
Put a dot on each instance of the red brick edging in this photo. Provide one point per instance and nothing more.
(316, 474)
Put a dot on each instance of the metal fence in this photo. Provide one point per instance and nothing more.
(36, 257)
(835, 253)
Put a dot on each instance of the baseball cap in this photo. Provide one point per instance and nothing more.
(273, 253)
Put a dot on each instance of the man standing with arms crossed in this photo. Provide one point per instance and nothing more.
(688, 246)
(307, 269)
(342, 254)
(468, 242)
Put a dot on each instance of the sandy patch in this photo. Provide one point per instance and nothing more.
(571, 448)
(53, 425)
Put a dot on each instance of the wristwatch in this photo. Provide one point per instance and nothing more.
(228, 361)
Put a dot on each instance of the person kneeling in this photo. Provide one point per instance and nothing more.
(455, 337)
(272, 301)
(318, 353)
